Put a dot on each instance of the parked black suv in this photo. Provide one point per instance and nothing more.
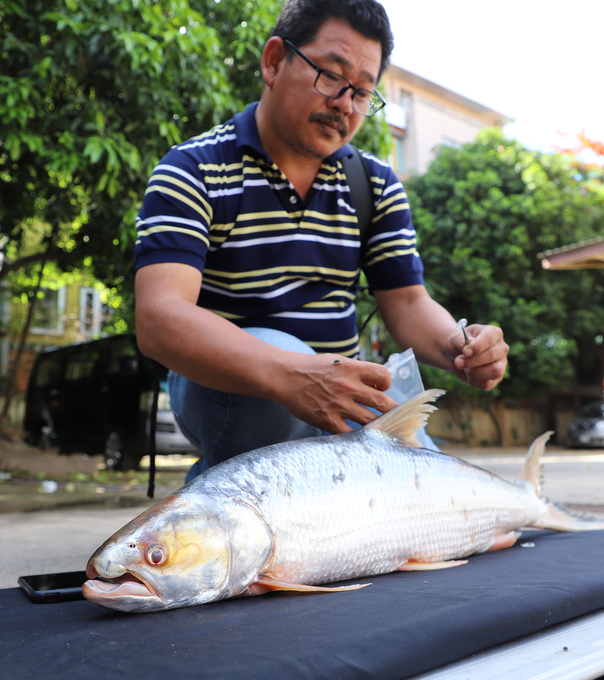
(95, 397)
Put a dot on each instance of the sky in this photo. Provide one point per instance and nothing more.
(540, 62)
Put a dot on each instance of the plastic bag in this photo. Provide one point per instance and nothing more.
(406, 379)
(406, 383)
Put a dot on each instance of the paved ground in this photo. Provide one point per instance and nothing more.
(44, 529)
(48, 542)
(48, 532)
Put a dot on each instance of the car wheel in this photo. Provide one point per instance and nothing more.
(44, 438)
(117, 456)
(113, 451)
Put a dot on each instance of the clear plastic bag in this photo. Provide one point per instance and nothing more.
(406, 383)
(406, 379)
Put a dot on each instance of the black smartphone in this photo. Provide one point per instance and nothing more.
(54, 587)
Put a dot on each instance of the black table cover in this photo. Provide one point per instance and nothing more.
(404, 624)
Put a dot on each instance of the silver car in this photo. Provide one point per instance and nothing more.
(168, 436)
(587, 429)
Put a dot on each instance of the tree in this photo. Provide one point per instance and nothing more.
(92, 94)
(585, 153)
(91, 98)
(483, 212)
(586, 158)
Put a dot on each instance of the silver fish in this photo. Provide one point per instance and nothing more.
(295, 515)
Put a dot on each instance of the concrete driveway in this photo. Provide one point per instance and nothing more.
(49, 542)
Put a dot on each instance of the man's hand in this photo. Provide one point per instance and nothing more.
(482, 361)
(415, 320)
(324, 390)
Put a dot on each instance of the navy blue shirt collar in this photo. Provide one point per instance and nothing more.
(247, 134)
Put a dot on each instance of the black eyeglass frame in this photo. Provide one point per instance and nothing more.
(374, 95)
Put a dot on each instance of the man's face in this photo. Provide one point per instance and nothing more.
(309, 123)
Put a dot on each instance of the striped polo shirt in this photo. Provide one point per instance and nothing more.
(218, 203)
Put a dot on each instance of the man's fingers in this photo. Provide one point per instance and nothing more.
(335, 389)
(482, 361)
(371, 381)
(363, 372)
(381, 401)
(484, 377)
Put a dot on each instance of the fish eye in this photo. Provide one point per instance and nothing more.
(156, 555)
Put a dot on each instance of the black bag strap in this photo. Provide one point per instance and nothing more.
(361, 195)
(152, 432)
(361, 190)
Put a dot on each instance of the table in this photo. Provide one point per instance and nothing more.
(403, 625)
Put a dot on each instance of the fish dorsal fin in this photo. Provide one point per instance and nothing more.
(405, 420)
(531, 472)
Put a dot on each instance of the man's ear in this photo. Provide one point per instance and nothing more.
(274, 56)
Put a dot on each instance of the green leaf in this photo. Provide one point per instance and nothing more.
(13, 146)
(483, 212)
(94, 149)
(99, 120)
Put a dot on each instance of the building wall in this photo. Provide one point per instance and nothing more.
(69, 315)
(519, 427)
(423, 115)
(435, 126)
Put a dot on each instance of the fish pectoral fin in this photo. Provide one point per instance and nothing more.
(505, 540)
(427, 566)
(274, 584)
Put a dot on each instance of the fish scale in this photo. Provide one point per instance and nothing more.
(316, 511)
(331, 521)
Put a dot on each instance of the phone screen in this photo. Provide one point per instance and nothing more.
(53, 587)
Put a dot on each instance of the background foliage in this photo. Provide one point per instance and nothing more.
(483, 214)
(92, 94)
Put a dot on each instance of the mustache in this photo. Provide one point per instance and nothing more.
(330, 118)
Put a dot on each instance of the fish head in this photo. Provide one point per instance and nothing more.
(180, 552)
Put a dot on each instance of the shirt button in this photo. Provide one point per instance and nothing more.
(293, 199)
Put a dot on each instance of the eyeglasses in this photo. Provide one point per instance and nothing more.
(333, 85)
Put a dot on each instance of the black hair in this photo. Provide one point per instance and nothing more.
(301, 20)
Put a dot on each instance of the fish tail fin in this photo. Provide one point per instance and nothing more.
(556, 516)
(405, 420)
(531, 472)
(560, 518)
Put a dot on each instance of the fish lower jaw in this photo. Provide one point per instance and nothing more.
(125, 593)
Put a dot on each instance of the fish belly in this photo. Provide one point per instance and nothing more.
(360, 504)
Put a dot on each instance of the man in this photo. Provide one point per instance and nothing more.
(249, 252)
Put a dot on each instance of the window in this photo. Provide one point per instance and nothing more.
(593, 411)
(449, 141)
(396, 156)
(399, 154)
(404, 99)
(48, 312)
(92, 312)
(82, 362)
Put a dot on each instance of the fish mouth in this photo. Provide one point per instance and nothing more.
(126, 592)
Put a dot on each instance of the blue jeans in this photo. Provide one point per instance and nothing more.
(224, 425)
